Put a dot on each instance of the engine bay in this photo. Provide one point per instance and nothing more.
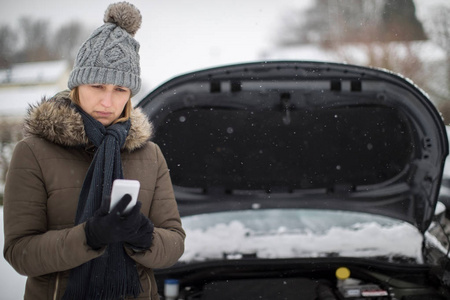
(288, 279)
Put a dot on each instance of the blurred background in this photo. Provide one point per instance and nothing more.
(39, 41)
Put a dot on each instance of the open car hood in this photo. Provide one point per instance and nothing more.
(300, 134)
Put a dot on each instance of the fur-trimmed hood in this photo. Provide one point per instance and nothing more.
(57, 121)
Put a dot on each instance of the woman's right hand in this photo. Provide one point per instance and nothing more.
(106, 228)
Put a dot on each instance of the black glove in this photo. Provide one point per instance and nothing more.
(143, 238)
(106, 228)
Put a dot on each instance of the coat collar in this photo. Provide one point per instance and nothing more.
(58, 122)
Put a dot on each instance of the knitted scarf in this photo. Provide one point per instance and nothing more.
(112, 275)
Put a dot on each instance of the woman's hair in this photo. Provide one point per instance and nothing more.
(75, 97)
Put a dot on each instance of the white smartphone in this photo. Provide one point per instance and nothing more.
(120, 188)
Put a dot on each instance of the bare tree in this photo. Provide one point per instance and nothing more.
(400, 22)
(68, 39)
(438, 29)
(8, 41)
(342, 21)
(35, 38)
(376, 28)
(354, 20)
(329, 22)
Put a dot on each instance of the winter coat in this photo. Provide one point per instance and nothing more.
(43, 184)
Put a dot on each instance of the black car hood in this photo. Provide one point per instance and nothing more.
(300, 134)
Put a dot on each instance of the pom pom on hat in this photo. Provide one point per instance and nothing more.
(125, 15)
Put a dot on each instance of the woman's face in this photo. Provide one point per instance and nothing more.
(103, 102)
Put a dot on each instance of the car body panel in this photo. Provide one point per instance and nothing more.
(295, 134)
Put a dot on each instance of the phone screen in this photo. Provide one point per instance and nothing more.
(122, 187)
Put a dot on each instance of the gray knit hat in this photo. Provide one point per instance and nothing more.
(110, 55)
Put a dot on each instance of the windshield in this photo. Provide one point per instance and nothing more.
(299, 233)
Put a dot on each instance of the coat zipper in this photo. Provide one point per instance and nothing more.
(149, 286)
(55, 294)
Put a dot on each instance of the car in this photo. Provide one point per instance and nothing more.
(303, 180)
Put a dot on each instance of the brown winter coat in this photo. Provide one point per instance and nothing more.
(41, 195)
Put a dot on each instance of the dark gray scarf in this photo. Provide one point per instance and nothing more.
(112, 275)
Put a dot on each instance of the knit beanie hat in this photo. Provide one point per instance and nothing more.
(110, 55)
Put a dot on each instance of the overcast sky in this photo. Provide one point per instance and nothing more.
(179, 36)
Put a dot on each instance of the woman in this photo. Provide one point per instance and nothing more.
(58, 231)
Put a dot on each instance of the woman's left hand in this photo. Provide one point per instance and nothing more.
(143, 238)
